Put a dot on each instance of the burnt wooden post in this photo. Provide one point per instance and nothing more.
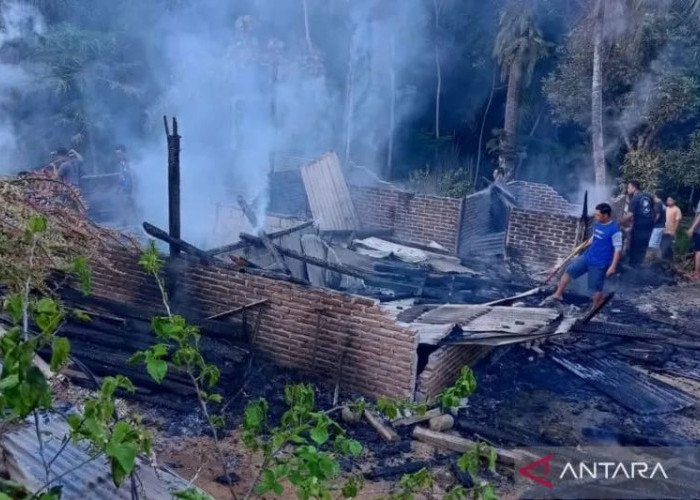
(173, 184)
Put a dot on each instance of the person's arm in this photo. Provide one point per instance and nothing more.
(617, 244)
(695, 225)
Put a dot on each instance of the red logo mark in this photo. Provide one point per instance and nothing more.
(527, 471)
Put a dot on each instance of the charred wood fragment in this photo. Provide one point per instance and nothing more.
(158, 233)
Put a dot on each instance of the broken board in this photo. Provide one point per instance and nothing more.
(625, 385)
(328, 194)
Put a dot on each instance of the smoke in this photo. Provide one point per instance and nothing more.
(17, 21)
(248, 90)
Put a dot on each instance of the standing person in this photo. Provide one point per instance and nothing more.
(694, 232)
(71, 170)
(601, 258)
(673, 220)
(641, 218)
(126, 187)
(659, 226)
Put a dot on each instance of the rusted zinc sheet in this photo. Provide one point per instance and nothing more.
(90, 480)
(328, 194)
(631, 388)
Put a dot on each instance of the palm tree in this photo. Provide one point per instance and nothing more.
(519, 45)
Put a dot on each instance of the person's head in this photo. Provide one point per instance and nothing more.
(658, 196)
(603, 213)
(670, 202)
(632, 187)
(120, 151)
(59, 152)
(497, 173)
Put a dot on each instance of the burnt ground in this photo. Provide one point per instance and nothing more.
(523, 399)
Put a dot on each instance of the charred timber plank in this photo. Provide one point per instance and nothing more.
(593, 312)
(173, 187)
(271, 247)
(229, 330)
(176, 242)
(308, 259)
(237, 309)
(385, 431)
(507, 300)
(459, 444)
(243, 244)
(415, 419)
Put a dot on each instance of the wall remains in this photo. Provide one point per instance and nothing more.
(540, 239)
(301, 327)
(443, 368)
(415, 218)
(542, 198)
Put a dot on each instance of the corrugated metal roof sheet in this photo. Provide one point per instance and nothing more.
(89, 481)
(631, 388)
(328, 194)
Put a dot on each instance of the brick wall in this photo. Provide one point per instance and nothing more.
(539, 239)
(415, 218)
(541, 198)
(443, 368)
(381, 357)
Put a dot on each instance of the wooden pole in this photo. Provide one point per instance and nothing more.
(173, 184)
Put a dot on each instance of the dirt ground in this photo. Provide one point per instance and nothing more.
(522, 391)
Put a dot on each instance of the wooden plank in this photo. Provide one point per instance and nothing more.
(277, 234)
(507, 300)
(181, 244)
(308, 259)
(385, 431)
(415, 419)
(459, 444)
(237, 309)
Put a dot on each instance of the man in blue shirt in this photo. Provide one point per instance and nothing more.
(600, 259)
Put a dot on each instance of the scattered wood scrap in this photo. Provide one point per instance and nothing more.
(385, 431)
(415, 419)
(250, 215)
(459, 444)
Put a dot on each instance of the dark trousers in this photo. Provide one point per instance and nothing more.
(667, 242)
(639, 242)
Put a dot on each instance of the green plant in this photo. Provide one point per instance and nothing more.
(179, 345)
(293, 450)
(393, 408)
(410, 484)
(24, 388)
(462, 388)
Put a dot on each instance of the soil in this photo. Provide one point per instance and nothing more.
(526, 398)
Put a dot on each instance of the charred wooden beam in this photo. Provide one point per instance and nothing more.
(306, 258)
(250, 215)
(158, 233)
(237, 309)
(243, 244)
(173, 185)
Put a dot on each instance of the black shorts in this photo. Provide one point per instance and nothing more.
(696, 242)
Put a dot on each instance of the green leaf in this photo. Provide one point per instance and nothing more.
(157, 369)
(122, 457)
(81, 315)
(9, 382)
(13, 305)
(355, 448)
(319, 434)
(488, 493)
(215, 398)
(493, 457)
(81, 269)
(136, 358)
(60, 349)
(37, 224)
(192, 494)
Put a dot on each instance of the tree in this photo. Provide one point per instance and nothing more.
(643, 79)
(519, 45)
(597, 95)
